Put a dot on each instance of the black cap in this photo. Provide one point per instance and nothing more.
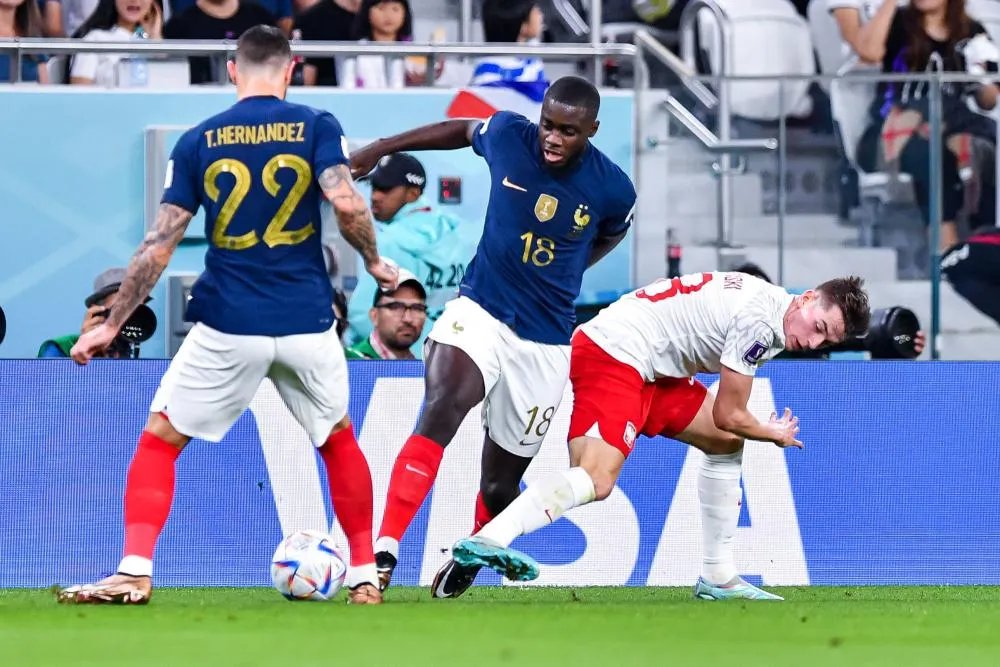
(399, 169)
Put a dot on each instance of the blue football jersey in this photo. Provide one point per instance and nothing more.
(540, 227)
(254, 167)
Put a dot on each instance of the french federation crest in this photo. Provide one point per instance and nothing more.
(545, 207)
(580, 220)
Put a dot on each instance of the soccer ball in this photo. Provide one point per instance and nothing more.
(308, 566)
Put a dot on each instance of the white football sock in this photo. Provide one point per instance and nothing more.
(136, 566)
(539, 505)
(361, 574)
(720, 495)
(387, 544)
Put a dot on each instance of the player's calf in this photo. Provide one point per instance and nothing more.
(600, 460)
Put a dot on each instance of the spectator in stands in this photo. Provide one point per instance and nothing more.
(281, 10)
(863, 25)
(326, 21)
(21, 18)
(98, 304)
(114, 21)
(215, 20)
(512, 22)
(397, 320)
(973, 269)
(75, 12)
(378, 21)
(52, 18)
(934, 35)
(434, 246)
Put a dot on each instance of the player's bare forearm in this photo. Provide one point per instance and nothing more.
(443, 136)
(743, 424)
(602, 246)
(149, 260)
(353, 215)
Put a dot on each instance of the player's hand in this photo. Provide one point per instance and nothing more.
(93, 343)
(785, 429)
(95, 317)
(363, 161)
(386, 274)
(919, 342)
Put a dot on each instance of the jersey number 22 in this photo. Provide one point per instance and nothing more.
(274, 234)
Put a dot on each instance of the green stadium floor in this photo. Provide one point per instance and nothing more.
(896, 626)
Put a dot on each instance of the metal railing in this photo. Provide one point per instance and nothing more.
(724, 123)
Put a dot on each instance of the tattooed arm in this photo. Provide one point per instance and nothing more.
(149, 261)
(353, 215)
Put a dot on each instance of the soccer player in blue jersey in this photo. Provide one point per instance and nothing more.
(263, 308)
(557, 205)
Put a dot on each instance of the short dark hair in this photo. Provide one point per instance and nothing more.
(263, 44)
(575, 91)
(502, 19)
(850, 296)
(362, 28)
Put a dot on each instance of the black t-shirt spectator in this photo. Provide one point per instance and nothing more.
(194, 23)
(897, 59)
(324, 22)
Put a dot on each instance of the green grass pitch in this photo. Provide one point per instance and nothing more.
(814, 627)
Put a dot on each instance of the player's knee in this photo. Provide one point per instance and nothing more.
(603, 478)
(159, 425)
(723, 443)
(604, 484)
(497, 494)
(344, 423)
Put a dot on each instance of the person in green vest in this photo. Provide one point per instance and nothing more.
(397, 320)
(98, 303)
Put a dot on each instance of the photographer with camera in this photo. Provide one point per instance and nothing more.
(893, 333)
(139, 328)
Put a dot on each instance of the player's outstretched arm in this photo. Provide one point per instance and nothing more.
(731, 414)
(355, 221)
(149, 261)
(444, 136)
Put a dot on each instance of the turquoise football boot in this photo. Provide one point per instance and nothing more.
(736, 589)
(475, 551)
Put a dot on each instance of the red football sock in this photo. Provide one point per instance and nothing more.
(483, 514)
(149, 491)
(412, 478)
(350, 482)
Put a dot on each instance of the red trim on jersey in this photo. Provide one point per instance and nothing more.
(990, 239)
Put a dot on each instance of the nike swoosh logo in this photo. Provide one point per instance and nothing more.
(442, 590)
(512, 186)
(417, 470)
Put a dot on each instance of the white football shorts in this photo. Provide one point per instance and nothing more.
(214, 376)
(524, 380)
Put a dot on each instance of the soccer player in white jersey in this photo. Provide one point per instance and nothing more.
(632, 369)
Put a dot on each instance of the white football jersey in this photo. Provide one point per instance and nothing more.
(695, 323)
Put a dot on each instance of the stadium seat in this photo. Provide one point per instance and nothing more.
(756, 27)
(850, 102)
(986, 12)
(831, 51)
